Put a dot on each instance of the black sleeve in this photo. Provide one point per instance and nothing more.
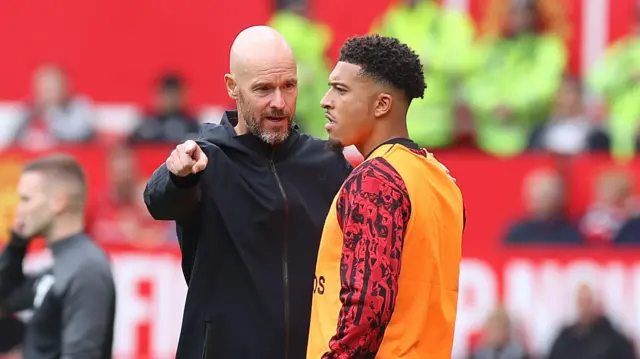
(12, 330)
(16, 289)
(625, 349)
(87, 314)
(172, 198)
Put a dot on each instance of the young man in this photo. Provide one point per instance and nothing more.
(74, 301)
(387, 270)
(249, 198)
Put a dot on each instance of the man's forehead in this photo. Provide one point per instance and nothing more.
(31, 180)
(268, 69)
(344, 71)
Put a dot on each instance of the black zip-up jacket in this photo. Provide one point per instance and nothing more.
(249, 227)
(73, 301)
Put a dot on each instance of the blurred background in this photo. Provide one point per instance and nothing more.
(534, 106)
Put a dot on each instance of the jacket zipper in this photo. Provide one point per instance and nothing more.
(285, 257)
(206, 341)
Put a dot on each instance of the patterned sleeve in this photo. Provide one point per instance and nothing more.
(373, 211)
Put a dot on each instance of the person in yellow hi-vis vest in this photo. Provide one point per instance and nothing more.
(386, 283)
(442, 39)
(519, 65)
(309, 41)
(617, 79)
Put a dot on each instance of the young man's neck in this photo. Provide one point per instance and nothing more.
(379, 137)
(65, 228)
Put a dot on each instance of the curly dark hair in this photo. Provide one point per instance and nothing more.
(387, 60)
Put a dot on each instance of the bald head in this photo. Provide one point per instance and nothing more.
(263, 81)
(544, 193)
(257, 46)
(586, 304)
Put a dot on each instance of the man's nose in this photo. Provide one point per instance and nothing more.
(324, 102)
(277, 101)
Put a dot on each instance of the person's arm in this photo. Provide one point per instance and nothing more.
(373, 210)
(16, 289)
(172, 198)
(88, 308)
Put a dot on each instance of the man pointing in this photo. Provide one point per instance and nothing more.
(187, 159)
(249, 198)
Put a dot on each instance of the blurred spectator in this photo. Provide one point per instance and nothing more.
(439, 36)
(617, 79)
(569, 131)
(169, 122)
(121, 215)
(499, 339)
(520, 61)
(592, 336)
(614, 205)
(55, 115)
(629, 233)
(546, 222)
(294, 24)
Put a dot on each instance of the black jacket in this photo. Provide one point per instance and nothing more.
(73, 302)
(249, 227)
(600, 341)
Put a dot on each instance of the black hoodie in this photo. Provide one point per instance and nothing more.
(249, 226)
(600, 340)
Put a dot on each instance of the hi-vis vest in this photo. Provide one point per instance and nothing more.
(422, 324)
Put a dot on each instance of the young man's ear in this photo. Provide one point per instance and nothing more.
(232, 86)
(383, 105)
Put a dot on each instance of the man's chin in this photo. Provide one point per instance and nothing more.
(273, 137)
(26, 234)
(334, 144)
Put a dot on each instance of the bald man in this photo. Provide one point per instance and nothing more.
(249, 198)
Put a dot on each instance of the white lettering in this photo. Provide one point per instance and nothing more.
(527, 295)
(539, 294)
(634, 314)
(158, 309)
(478, 294)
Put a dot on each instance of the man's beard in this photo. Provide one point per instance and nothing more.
(335, 145)
(253, 123)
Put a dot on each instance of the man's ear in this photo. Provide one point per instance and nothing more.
(59, 200)
(232, 86)
(383, 104)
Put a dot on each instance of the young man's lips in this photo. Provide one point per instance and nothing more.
(329, 117)
(329, 126)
